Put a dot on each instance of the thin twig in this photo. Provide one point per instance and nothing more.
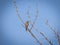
(36, 16)
(42, 35)
(34, 37)
(23, 23)
(17, 11)
(55, 33)
(28, 12)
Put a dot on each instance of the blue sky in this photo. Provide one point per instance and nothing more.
(12, 33)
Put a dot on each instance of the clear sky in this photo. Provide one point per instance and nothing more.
(12, 33)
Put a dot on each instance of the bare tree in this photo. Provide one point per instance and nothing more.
(26, 24)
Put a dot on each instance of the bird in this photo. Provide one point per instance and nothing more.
(26, 25)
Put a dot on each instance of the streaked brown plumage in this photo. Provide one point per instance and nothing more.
(26, 25)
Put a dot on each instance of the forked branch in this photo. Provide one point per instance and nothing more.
(55, 32)
(34, 37)
(49, 41)
(24, 23)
